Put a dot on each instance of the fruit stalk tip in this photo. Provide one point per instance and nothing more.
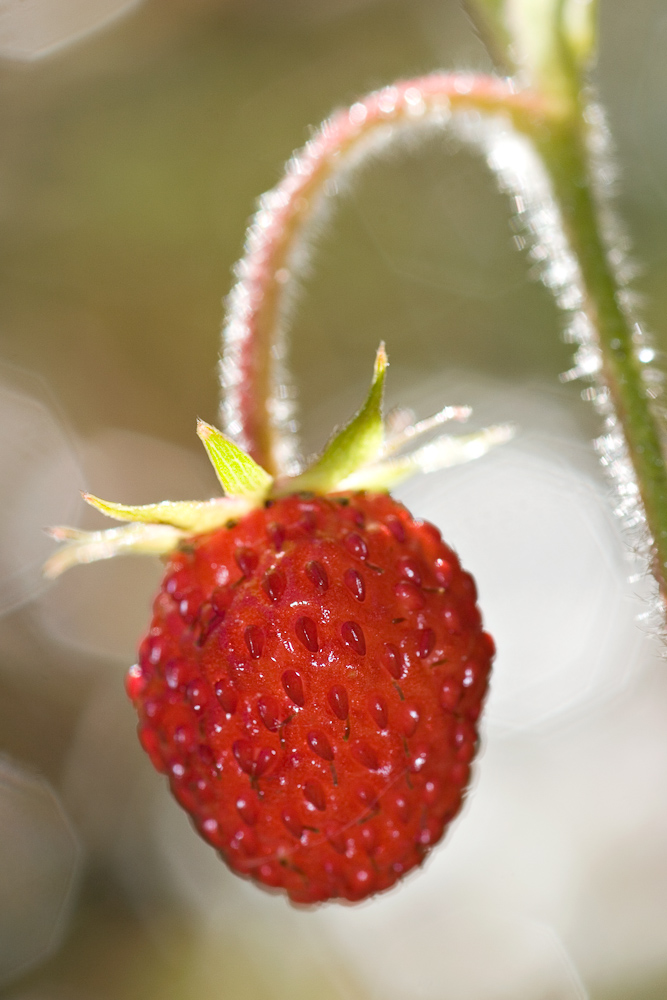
(381, 360)
(204, 430)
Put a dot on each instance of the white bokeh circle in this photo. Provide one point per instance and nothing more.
(40, 476)
(41, 860)
(535, 527)
(32, 29)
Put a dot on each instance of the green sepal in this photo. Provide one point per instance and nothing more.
(81, 547)
(238, 474)
(195, 516)
(358, 444)
(441, 453)
(362, 456)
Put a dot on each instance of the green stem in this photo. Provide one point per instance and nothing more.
(564, 151)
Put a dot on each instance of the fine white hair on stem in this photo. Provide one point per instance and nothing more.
(239, 303)
(282, 404)
(258, 402)
(541, 232)
(345, 143)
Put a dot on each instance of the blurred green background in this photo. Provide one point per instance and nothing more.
(129, 165)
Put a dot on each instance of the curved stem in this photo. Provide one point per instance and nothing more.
(257, 409)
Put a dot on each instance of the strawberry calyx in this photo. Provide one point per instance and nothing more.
(367, 454)
(358, 445)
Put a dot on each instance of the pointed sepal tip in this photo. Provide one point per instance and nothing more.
(358, 444)
(238, 474)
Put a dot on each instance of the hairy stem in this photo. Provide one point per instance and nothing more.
(257, 410)
(563, 148)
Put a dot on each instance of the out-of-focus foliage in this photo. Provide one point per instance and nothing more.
(551, 41)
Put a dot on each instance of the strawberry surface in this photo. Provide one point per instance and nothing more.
(311, 685)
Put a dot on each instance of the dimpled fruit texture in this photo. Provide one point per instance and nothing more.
(311, 685)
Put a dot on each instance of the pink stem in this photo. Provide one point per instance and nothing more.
(256, 410)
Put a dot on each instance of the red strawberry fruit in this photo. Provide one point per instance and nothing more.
(311, 684)
(315, 668)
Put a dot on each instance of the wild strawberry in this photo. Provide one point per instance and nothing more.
(315, 668)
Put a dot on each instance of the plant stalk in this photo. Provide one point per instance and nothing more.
(257, 412)
(563, 148)
(256, 408)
